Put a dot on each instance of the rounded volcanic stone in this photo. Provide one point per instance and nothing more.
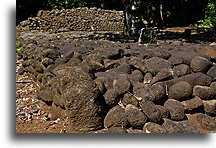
(200, 64)
(204, 92)
(163, 74)
(116, 117)
(122, 84)
(172, 126)
(155, 64)
(164, 111)
(188, 126)
(194, 104)
(181, 70)
(210, 107)
(143, 91)
(180, 90)
(159, 91)
(137, 76)
(111, 98)
(129, 99)
(211, 72)
(213, 87)
(151, 127)
(150, 110)
(193, 78)
(135, 117)
(175, 108)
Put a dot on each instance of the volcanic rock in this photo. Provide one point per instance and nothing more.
(135, 117)
(181, 90)
(176, 109)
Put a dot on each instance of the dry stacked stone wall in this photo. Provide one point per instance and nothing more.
(167, 87)
(79, 19)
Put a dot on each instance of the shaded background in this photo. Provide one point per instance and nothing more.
(175, 12)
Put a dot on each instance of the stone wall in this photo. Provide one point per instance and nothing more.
(167, 87)
(79, 19)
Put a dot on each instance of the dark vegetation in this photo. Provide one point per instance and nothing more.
(161, 13)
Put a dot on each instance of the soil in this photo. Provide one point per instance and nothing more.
(32, 115)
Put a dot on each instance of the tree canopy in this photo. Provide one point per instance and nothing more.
(157, 12)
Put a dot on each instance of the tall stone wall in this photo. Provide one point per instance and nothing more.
(79, 19)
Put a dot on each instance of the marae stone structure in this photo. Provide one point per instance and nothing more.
(125, 87)
(83, 19)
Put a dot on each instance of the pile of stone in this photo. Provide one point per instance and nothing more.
(165, 88)
(79, 19)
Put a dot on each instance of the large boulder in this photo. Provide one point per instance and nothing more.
(81, 97)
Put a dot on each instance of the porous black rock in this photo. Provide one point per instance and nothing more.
(122, 84)
(193, 105)
(152, 127)
(129, 98)
(176, 109)
(116, 117)
(188, 126)
(211, 72)
(181, 90)
(155, 64)
(200, 64)
(150, 110)
(143, 91)
(172, 126)
(204, 92)
(181, 70)
(81, 97)
(111, 98)
(135, 117)
(210, 107)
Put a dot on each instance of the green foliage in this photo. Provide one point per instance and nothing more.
(210, 17)
(18, 46)
(68, 4)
